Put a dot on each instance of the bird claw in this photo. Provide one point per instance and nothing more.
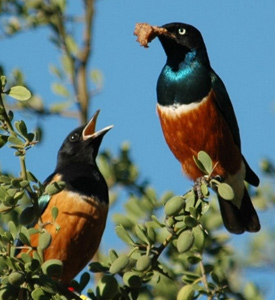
(204, 180)
(197, 186)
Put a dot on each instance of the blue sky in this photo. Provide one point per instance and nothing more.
(240, 40)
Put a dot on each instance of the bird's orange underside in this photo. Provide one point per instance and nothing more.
(82, 223)
(202, 128)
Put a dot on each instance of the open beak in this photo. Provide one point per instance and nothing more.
(89, 130)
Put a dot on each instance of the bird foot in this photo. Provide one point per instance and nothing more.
(204, 180)
(197, 186)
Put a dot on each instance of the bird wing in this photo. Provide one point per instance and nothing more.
(225, 106)
(43, 202)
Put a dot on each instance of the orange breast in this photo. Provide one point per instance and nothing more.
(82, 221)
(190, 129)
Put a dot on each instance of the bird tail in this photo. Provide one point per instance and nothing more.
(239, 220)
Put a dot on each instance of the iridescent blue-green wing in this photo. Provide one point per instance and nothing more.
(43, 202)
(225, 106)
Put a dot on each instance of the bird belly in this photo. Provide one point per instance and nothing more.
(82, 221)
(191, 128)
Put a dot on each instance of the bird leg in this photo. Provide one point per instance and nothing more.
(204, 180)
(197, 186)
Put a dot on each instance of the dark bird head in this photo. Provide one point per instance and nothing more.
(183, 41)
(81, 145)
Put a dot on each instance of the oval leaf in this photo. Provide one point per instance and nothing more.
(16, 141)
(19, 93)
(141, 234)
(206, 161)
(3, 140)
(124, 235)
(27, 216)
(107, 287)
(186, 293)
(132, 280)
(143, 263)
(16, 278)
(55, 187)
(52, 267)
(45, 239)
(199, 238)
(54, 213)
(21, 127)
(185, 241)
(225, 191)
(119, 264)
(174, 205)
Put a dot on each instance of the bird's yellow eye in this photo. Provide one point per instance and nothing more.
(182, 31)
(74, 137)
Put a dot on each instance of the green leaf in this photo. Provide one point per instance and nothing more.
(24, 183)
(60, 89)
(190, 201)
(16, 278)
(189, 277)
(12, 229)
(72, 45)
(206, 161)
(55, 187)
(151, 234)
(84, 280)
(97, 77)
(19, 93)
(190, 222)
(27, 216)
(141, 234)
(174, 205)
(10, 115)
(3, 140)
(38, 294)
(215, 277)
(124, 235)
(60, 107)
(25, 257)
(204, 190)
(112, 255)
(54, 213)
(97, 267)
(16, 141)
(3, 81)
(52, 267)
(204, 207)
(157, 222)
(185, 241)
(123, 220)
(44, 240)
(144, 262)
(24, 239)
(132, 280)
(186, 293)
(107, 287)
(56, 71)
(31, 177)
(119, 264)
(21, 128)
(199, 165)
(199, 238)
(226, 191)
(193, 260)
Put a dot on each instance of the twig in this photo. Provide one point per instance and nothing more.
(204, 280)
